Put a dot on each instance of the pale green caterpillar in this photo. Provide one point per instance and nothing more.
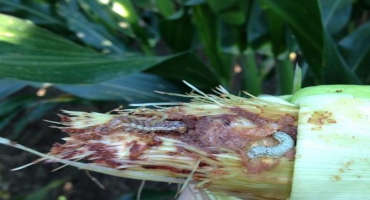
(285, 144)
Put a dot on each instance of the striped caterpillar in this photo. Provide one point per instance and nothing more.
(152, 125)
(285, 144)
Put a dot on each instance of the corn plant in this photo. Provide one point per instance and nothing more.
(111, 52)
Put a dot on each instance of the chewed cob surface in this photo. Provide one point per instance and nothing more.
(207, 141)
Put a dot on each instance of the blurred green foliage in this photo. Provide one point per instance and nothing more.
(123, 50)
(206, 42)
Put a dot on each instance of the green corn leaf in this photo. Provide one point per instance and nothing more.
(187, 67)
(36, 113)
(99, 12)
(194, 2)
(166, 7)
(9, 86)
(42, 193)
(286, 76)
(257, 26)
(336, 70)
(335, 14)
(60, 69)
(232, 12)
(6, 120)
(303, 16)
(23, 37)
(126, 10)
(30, 8)
(355, 46)
(90, 33)
(356, 50)
(276, 31)
(10, 105)
(252, 77)
(177, 33)
(207, 28)
(297, 81)
(135, 88)
(31, 53)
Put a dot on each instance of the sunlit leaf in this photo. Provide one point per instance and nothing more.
(33, 9)
(99, 12)
(56, 69)
(91, 33)
(31, 53)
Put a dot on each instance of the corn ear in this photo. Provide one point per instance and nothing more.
(204, 143)
(207, 143)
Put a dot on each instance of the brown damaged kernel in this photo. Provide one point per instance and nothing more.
(236, 129)
(205, 141)
(321, 118)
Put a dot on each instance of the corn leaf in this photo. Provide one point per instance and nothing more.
(191, 68)
(32, 9)
(252, 77)
(277, 31)
(335, 14)
(42, 193)
(9, 86)
(31, 53)
(309, 33)
(257, 27)
(207, 29)
(178, 32)
(135, 88)
(336, 70)
(91, 33)
(355, 47)
(166, 7)
(286, 76)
